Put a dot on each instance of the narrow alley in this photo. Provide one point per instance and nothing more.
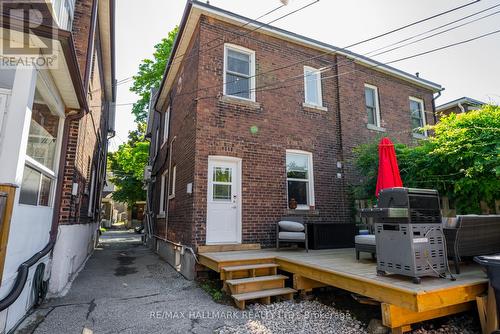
(126, 288)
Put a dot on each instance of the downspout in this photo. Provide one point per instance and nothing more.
(434, 98)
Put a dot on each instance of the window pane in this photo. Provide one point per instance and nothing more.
(298, 190)
(43, 135)
(222, 192)
(370, 97)
(416, 114)
(238, 62)
(312, 84)
(371, 115)
(45, 191)
(222, 174)
(237, 86)
(30, 186)
(297, 166)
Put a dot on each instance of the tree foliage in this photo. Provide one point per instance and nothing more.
(127, 167)
(150, 75)
(128, 162)
(461, 160)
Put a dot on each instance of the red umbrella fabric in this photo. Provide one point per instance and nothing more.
(388, 170)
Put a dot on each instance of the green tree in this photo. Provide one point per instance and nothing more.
(150, 75)
(127, 167)
(461, 159)
(128, 162)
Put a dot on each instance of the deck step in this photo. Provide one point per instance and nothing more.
(257, 279)
(263, 295)
(250, 267)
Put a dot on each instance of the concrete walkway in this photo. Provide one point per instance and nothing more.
(126, 288)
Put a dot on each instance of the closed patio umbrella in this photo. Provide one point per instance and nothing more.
(388, 170)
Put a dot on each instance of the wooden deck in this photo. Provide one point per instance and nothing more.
(402, 302)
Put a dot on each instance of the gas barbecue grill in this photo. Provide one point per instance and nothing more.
(408, 233)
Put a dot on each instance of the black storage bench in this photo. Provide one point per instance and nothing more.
(324, 235)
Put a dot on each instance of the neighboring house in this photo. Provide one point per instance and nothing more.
(55, 119)
(236, 145)
(458, 106)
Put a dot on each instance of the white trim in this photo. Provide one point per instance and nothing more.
(162, 192)
(377, 105)
(422, 114)
(317, 74)
(171, 188)
(4, 107)
(39, 167)
(249, 52)
(239, 202)
(311, 198)
(166, 126)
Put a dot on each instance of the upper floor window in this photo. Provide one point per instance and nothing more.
(312, 86)
(166, 121)
(64, 11)
(239, 72)
(417, 115)
(372, 105)
(299, 176)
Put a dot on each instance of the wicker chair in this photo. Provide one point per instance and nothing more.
(283, 235)
(473, 235)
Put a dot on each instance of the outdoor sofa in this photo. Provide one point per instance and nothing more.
(471, 235)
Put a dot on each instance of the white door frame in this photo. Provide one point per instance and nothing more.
(238, 162)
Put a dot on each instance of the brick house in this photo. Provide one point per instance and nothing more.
(56, 114)
(250, 126)
(458, 106)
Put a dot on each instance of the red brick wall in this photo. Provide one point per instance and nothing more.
(222, 127)
(87, 142)
(394, 109)
(183, 129)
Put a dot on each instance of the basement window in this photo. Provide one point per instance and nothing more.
(239, 72)
(299, 175)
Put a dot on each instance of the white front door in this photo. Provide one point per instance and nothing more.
(224, 200)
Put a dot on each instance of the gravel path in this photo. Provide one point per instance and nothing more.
(290, 317)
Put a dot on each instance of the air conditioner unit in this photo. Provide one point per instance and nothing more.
(147, 173)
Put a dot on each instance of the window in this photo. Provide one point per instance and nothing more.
(417, 115)
(239, 72)
(166, 121)
(157, 141)
(172, 184)
(372, 105)
(299, 175)
(39, 171)
(90, 212)
(164, 178)
(312, 86)
(222, 184)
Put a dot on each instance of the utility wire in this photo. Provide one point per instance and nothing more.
(346, 47)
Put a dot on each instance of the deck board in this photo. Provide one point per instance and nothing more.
(361, 277)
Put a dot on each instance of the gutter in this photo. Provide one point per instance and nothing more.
(434, 98)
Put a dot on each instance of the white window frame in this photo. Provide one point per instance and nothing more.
(171, 189)
(237, 48)
(91, 193)
(164, 178)
(310, 199)
(377, 104)
(422, 114)
(318, 86)
(166, 122)
(4, 105)
(51, 98)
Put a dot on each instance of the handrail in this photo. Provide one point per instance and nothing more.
(22, 276)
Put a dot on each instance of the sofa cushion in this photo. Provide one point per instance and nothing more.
(286, 225)
(365, 239)
(292, 236)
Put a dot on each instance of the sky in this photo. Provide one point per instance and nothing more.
(471, 69)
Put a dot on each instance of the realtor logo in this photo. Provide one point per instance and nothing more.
(28, 34)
